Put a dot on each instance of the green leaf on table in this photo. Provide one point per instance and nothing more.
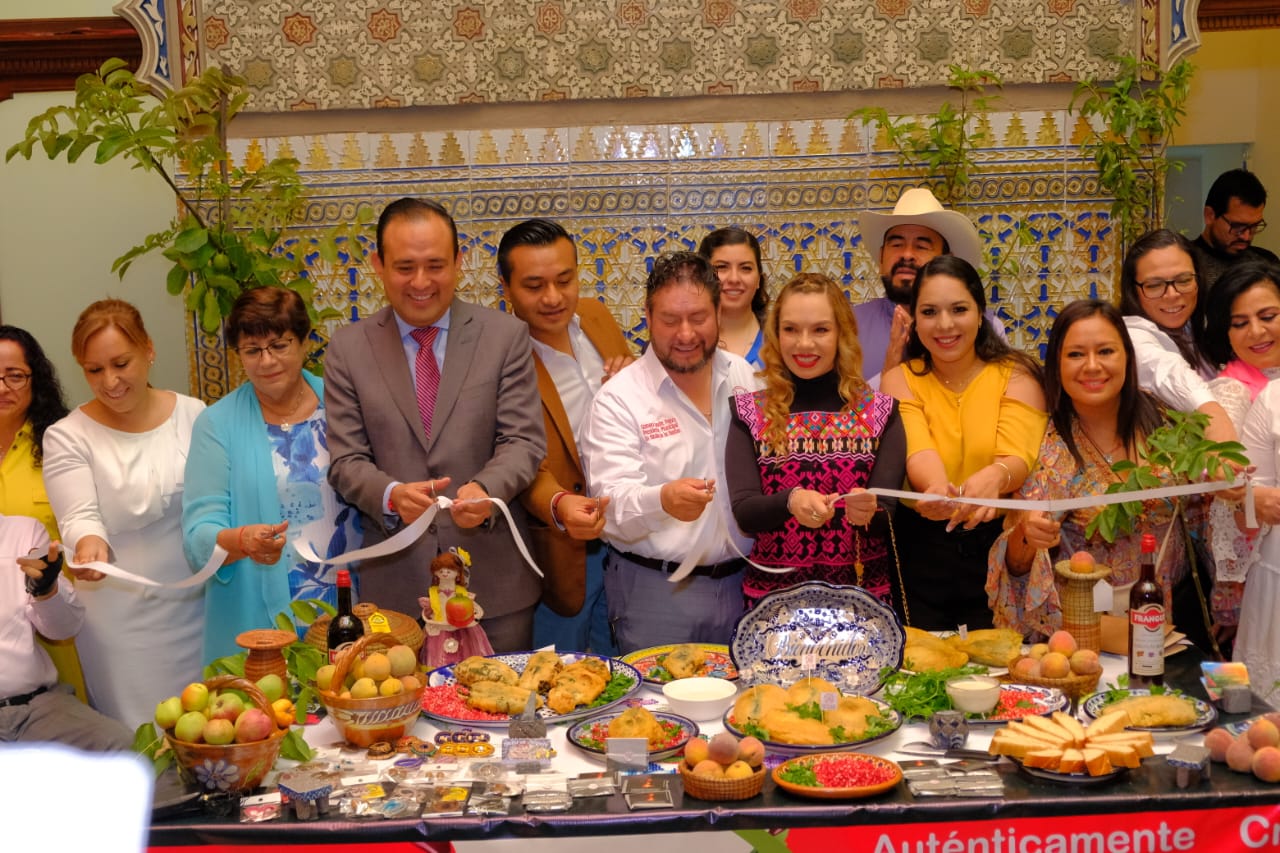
(294, 747)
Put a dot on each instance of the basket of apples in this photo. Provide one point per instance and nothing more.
(219, 742)
(372, 695)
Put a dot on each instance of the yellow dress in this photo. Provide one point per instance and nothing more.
(944, 573)
(22, 493)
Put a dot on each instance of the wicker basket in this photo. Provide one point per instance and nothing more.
(234, 767)
(722, 789)
(404, 629)
(1075, 591)
(1074, 686)
(367, 721)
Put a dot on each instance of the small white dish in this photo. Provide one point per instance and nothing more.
(974, 694)
(700, 699)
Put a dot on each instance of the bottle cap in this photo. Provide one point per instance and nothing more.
(344, 577)
(1148, 543)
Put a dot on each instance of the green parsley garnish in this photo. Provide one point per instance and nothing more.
(808, 711)
(800, 773)
(614, 690)
(919, 694)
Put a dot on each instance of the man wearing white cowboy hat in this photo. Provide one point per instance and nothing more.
(917, 231)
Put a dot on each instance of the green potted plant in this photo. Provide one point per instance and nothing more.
(235, 228)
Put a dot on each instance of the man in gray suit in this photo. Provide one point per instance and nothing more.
(435, 396)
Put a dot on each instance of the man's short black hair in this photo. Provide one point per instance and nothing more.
(414, 208)
(681, 268)
(1237, 183)
(531, 232)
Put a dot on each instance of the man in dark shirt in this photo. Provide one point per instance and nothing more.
(1232, 218)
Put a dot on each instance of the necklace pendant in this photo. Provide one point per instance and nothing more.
(286, 426)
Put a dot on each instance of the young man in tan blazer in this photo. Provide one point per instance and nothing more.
(577, 346)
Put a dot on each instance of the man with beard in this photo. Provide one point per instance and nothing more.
(1232, 218)
(917, 231)
(654, 443)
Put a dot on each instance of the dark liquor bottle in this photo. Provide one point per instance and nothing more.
(1146, 622)
(345, 628)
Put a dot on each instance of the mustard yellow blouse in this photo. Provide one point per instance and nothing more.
(971, 428)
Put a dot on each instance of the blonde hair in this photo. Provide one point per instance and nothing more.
(104, 314)
(780, 389)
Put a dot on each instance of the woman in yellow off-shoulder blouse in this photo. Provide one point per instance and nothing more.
(974, 414)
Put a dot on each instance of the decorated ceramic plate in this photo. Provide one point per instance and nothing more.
(649, 662)
(838, 633)
(891, 721)
(1096, 704)
(589, 735)
(444, 699)
(1242, 726)
(1070, 778)
(1023, 700)
(837, 776)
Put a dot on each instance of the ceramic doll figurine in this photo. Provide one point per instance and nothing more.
(450, 614)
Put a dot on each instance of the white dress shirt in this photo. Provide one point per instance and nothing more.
(577, 377)
(643, 432)
(1163, 371)
(24, 665)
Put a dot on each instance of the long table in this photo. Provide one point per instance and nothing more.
(1230, 811)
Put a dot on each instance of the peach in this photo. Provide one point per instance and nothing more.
(403, 660)
(391, 687)
(1217, 742)
(751, 750)
(1026, 668)
(696, 752)
(1055, 665)
(324, 676)
(377, 666)
(1240, 755)
(723, 749)
(738, 770)
(1063, 642)
(1273, 716)
(1082, 563)
(1263, 733)
(1266, 764)
(708, 769)
(410, 683)
(1039, 650)
(365, 688)
(1085, 662)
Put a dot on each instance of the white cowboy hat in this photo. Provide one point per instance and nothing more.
(917, 206)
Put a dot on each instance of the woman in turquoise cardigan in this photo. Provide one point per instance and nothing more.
(256, 478)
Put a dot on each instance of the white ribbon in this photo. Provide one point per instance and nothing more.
(413, 533)
(113, 571)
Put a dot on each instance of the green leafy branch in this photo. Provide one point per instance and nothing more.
(232, 229)
(1178, 448)
(1139, 111)
(943, 142)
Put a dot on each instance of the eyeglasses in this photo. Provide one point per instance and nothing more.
(279, 349)
(15, 380)
(1154, 288)
(1238, 228)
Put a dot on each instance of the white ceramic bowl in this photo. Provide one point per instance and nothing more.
(974, 694)
(700, 699)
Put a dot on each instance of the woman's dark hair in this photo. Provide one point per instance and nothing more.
(1139, 412)
(1193, 350)
(988, 346)
(47, 404)
(738, 237)
(1235, 282)
(263, 311)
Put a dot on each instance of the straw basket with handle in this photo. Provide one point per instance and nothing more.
(367, 721)
(1074, 686)
(233, 767)
(704, 788)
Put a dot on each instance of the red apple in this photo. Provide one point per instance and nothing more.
(459, 610)
(253, 725)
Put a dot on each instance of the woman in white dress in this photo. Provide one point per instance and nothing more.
(113, 469)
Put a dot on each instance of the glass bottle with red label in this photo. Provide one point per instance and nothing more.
(1146, 622)
(345, 628)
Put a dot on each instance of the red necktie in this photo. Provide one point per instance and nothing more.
(428, 375)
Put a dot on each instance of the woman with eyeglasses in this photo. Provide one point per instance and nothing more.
(1163, 308)
(257, 477)
(114, 472)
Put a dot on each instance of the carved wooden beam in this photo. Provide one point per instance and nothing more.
(48, 54)
(1238, 14)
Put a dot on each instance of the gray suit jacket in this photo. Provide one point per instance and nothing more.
(487, 427)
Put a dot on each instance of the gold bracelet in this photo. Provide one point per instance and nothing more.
(1008, 476)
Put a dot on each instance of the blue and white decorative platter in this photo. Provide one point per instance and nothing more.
(838, 633)
(1095, 705)
(777, 747)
